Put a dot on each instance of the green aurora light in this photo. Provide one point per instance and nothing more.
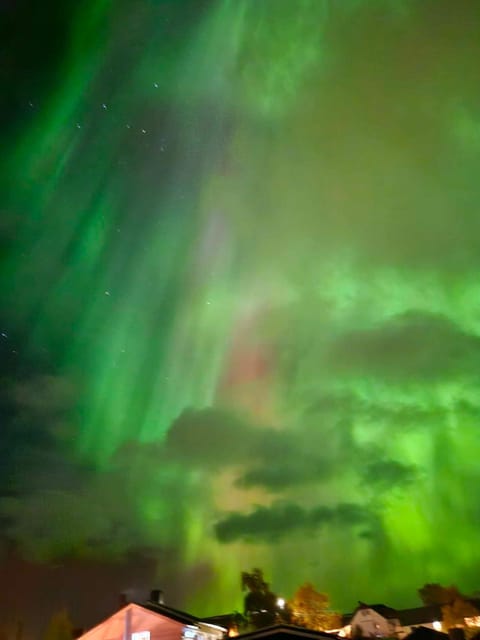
(250, 246)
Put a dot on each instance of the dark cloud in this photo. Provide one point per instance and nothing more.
(37, 432)
(44, 395)
(70, 511)
(280, 520)
(413, 345)
(402, 418)
(273, 458)
(279, 460)
(192, 434)
(277, 474)
(387, 474)
(64, 507)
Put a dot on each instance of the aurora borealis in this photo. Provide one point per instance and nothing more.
(240, 297)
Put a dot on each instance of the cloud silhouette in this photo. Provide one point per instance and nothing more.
(281, 520)
(419, 345)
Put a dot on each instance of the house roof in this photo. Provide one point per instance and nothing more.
(283, 632)
(420, 615)
(407, 617)
(386, 612)
(182, 616)
(116, 622)
(224, 619)
(162, 610)
(170, 612)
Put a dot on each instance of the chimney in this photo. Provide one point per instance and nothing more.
(156, 596)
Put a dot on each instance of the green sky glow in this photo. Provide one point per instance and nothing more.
(251, 251)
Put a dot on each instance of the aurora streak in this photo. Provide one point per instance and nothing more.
(246, 258)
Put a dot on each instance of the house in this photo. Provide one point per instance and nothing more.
(427, 617)
(380, 621)
(372, 621)
(154, 621)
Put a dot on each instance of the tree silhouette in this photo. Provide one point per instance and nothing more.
(434, 593)
(260, 603)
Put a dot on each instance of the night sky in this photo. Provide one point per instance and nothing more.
(239, 300)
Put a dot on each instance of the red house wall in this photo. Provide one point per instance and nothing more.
(134, 619)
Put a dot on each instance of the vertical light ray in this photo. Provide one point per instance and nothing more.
(258, 215)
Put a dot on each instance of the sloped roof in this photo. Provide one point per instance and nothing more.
(182, 616)
(170, 612)
(113, 627)
(420, 615)
(141, 614)
(224, 619)
(386, 612)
